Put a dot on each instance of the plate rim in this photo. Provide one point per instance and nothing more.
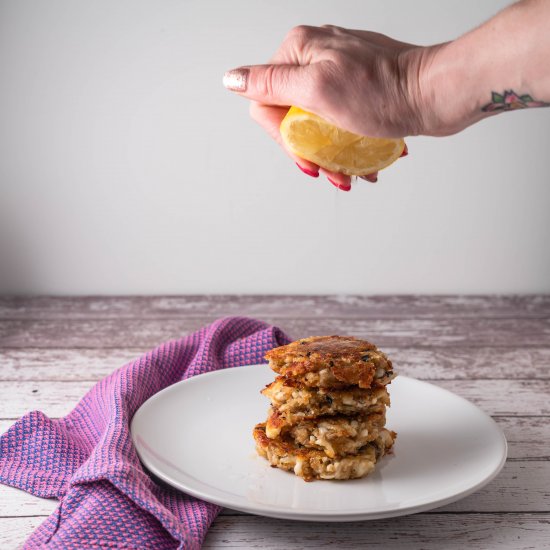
(329, 515)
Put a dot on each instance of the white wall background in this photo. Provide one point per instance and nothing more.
(125, 167)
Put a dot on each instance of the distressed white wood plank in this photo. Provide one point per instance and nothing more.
(422, 531)
(520, 487)
(429, 532)
(453, 363)
(108, 333)
(496, 397)
(16, 503)
(54, 398)
(14, 531)
(528, 437)
(504, 397)
(64, 364)
(374, 307)
(456, 363)
(5, 425)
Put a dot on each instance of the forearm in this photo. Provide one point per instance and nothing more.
(468, 79)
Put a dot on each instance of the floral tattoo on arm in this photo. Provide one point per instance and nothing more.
(510, 101)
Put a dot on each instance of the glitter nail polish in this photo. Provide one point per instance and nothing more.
(236, 80)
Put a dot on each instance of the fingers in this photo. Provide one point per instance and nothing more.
(288, 78)
(372, 178)
(312, 172)
(269, 118)
(269, 84)
(340, 181)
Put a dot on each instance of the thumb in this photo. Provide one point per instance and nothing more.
(268, 84)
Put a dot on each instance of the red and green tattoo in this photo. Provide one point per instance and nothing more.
(509, 101)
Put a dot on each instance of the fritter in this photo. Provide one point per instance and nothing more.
(332, 362)
(293, 403)
(338, 435)
(313, 464)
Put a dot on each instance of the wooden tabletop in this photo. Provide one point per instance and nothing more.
(494, 351)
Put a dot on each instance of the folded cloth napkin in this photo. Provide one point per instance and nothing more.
(88, 461)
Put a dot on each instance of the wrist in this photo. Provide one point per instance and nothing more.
(436, 91)
(420, 76)
(450, 81)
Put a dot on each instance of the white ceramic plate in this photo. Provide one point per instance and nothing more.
(197, 436)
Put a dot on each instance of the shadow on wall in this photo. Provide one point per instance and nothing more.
(16, 265)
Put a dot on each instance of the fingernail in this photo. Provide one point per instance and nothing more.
(308, 172)
(371, 179)
(236, 80)
(405, 151)
(339, 185)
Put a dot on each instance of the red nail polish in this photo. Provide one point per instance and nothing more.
(308, 172)
(405, 151)
(340, 186)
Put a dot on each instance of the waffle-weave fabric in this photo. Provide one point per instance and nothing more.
(88, 462)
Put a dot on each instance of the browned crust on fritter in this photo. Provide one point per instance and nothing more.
(314, 397)
(285, 444)
(332, 361)
(278, 421)
(313, 464)
(282, 444)
(293, 402)
(338, 435)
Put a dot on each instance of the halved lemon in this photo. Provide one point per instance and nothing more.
(312, 138)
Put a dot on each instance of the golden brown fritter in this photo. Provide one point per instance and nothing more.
(332, 362)
(338, 435)
(313, 464)
(293, 403)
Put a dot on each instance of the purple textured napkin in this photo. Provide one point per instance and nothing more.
(88, 461)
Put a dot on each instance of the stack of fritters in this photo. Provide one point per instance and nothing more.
(328, 408)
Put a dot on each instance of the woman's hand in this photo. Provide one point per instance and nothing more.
(360, 81)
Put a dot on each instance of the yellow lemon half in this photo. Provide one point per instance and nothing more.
(312, 138)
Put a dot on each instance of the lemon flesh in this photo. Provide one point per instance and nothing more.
(312, 138)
